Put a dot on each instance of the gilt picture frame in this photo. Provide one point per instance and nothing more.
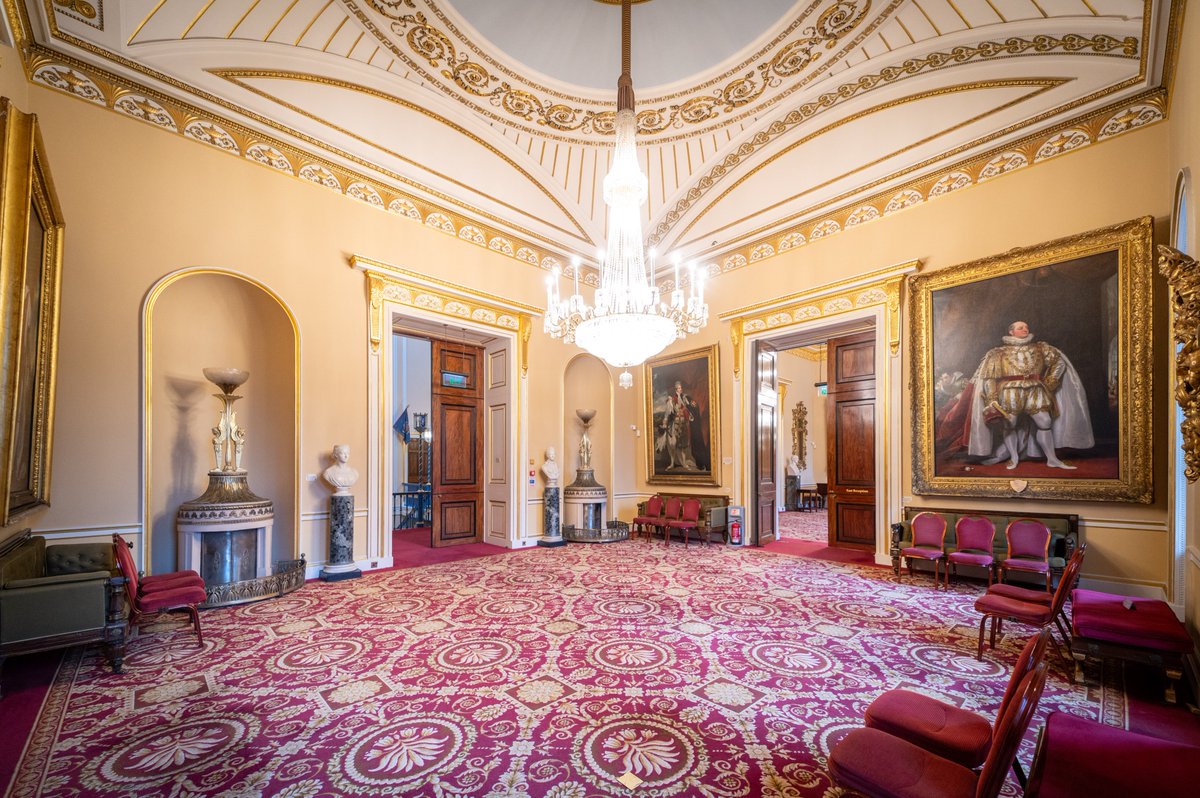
(1032, 373)
(31, 247)
(683, 418)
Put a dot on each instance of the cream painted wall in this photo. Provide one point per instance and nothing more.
(254, 334)
(587, 383)
(1183, 152)
(1107, 183)
(141, 203)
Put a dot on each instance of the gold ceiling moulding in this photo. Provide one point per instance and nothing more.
(434, 45)
(878, 288)
(442, 298)
(191, 122)
(1038, 45)
(1066, 137)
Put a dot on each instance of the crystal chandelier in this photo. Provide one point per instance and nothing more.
(628, 321)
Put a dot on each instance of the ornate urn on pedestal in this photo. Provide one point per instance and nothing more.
(225, 533)
(585, 501)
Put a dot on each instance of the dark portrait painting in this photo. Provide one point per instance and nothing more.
(1031, 371)
(1070, 312)
(682, 414)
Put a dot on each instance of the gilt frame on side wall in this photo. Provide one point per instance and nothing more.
(685, 425)
(1081, 379)
(31, 246)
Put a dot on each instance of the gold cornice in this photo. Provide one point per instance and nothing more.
(235, 76)
(441, 297)
(880, 287)
(1100, 45)
(100, 87)
(1115, 119)
(436, 48)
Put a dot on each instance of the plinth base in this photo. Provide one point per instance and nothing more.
(551, 542)
(329, 575)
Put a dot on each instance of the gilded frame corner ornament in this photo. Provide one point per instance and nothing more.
(662, 436)
(1184, 279)
(31, 247)
(1120, 468)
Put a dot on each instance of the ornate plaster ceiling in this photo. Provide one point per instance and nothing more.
(761, 128)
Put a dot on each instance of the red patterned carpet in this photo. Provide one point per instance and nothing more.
(811, 526)
(702, 671)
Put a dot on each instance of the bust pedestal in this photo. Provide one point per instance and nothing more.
(551, 518)
(341, 540)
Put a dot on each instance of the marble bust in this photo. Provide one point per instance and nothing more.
(550, 468)
(793, 466)
(340, 475)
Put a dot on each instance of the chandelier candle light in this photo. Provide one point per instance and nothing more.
(628, 321)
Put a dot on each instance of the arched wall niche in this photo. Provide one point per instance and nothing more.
(587, 383)
(208, 317)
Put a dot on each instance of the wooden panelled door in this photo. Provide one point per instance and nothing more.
(499, 397)
(766, 386)
(850, 427)
(458, 478)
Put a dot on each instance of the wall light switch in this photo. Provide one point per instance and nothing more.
(310, 477)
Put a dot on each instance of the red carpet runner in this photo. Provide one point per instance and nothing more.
(701, 671)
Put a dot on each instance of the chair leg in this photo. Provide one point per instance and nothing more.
(996, 622)
(991, 570)
(979, 650)
(195, 613)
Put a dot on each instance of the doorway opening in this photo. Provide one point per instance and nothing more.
(449, 452)
(815, 428)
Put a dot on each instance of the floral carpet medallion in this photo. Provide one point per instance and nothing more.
(566, 673)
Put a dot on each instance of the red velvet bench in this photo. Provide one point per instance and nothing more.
(1081, 757)
(1133, 629)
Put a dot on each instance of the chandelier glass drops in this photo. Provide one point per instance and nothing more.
(628, 321)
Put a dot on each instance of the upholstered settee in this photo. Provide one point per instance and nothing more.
(59, 596)
(1064, 533)
(709, 521)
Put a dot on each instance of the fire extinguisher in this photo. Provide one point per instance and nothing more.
(735, 533)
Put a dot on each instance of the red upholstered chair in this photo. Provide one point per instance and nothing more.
(153, 584)
(174, 591)
(672, 511)
(944, 729)
(1028, 549)
(653, 518)
(1082, 757)
(877, 764)
(1040, 596)
(688, 523)
(997, 608)
(929, 538)
(974, 537)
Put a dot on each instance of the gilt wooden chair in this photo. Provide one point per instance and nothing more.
(174, 591)
(688, 522)
(974, 537)
(1028, 549)
(644, 524)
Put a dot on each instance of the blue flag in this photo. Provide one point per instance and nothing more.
(401, 425)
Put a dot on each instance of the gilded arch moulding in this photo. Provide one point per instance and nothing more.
(429, 294)
(1184, 278)
(876, 288)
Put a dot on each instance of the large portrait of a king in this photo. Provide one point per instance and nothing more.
(683, 416)
(1031, 371)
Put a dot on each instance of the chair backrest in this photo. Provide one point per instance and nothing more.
(1010, 728)
(1033, 653)
(673, 506)
(691, 510)
(1028, 537)
(654, 506)
(929, 529)
(822, 488)
(975, 533)
(128, 569)
(1066, 583)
